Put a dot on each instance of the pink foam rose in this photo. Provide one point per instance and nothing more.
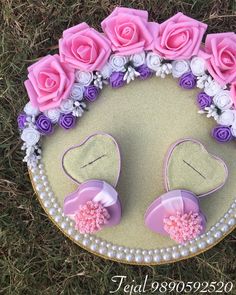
(233, 92)
(129, 30)
(179, 37)
(49, 82)
(220, 54)
(84, 48)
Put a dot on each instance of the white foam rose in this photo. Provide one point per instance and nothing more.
(211, 87)
(53, 114)
(84, 78)
(138, 59)
(198, 66)
(30, 110)
(180, 67)
(77, 91)
(106, 71)
(227, 118)
(67, 106)
(30, 136)
(233, 129)
(223, 100)
(118, 62)
(153, 61)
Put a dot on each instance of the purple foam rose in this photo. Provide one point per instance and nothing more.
(21, 120)
(222, 133)
(188, 81)
(117, 79)
(44, 124)
(91, 93)
(67, 121)
(144, 72)
(203, 100)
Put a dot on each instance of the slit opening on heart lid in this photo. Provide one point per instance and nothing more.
(188, 165)
(97, 157)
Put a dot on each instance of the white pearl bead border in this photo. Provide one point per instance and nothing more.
(132, 255)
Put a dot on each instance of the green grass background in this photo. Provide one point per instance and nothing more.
(35, 258)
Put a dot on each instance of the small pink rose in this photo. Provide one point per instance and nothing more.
(179, 37)
(129, 30)
(84, 48)
(233, 92)
(49, 82)
(220, 54)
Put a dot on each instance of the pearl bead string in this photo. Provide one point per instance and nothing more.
(133, 255)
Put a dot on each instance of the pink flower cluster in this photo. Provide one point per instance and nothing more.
(90, 217)
(128, 31)
(183, 227)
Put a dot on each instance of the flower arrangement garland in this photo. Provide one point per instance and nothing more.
(60, 86)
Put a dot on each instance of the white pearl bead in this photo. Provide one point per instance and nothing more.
(34, 170)
(97, 241)
(166, 256)
(193, 249)
(52, 211)
(114, 247)
(148, 258)
(157, 258)
(40, 166)
(57, 218)
(224, 228)
(93, 247)
(41, 172)
(210, 240)
(55, 205)
(184, 252)
(132, 251)
(138, 258)
(42, 195)
(70, 231)
(64, 225)
(176, 255)
(36, 178)
(110, 253)
(78, 237)
(109, 245)
(144, 252)
(44, 177)
(85, 242)
(39, 187)
(226, 215)
(102, 250)
(47, 204)
(202, 244)
(231, 222)
(103, 244)
(120, 248)
(129, 257)
(120, 255)
(50, 194)
(126, 250)
(156, 251)
(218, 235)
(150, 252)
(233, 205)
(230, 211)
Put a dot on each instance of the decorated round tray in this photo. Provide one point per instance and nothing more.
(129, 136)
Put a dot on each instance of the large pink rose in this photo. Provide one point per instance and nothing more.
(84, 48)
(179, 37)
(49, 82)
(129, 30)
(220, 54)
